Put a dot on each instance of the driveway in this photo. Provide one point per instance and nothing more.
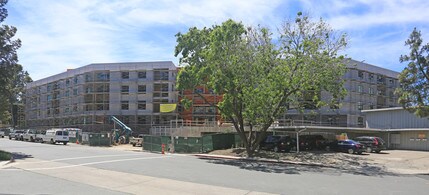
(402, 161)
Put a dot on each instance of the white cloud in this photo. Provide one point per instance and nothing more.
(57, 35)
(369, 13)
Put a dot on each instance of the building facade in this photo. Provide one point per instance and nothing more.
(368, 87)
(403, 129)
(202, 109)
(86, 97)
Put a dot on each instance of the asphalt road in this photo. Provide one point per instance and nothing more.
(75, 169)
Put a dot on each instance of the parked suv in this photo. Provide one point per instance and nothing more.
(310, 142)
(16, 134)
(373, 144)
(278, 143)
(29, 135)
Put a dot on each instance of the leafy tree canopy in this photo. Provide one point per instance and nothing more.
(12, 76)
(258, 75)
(414, 79)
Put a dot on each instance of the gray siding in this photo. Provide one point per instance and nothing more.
(409, 140)
(394, 119)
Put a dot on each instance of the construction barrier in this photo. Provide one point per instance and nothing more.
(96, 139)
(203, 144)
(154, 143)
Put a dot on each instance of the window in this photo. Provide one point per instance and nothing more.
(103, 76)
(371, 76)
(75, 92)
(371, 106)
(124, 105)
(371, 90)
(67, 94)
(142, 74)
(360, 88)
(67, 82)
(141, 105)
(67, 110)
(125, 89)
(142, 88)
(125, 75)
(75, 80)
(359, 106)
(199, 91)
(161, 74)
(360, 74)
(142, 119)
(360, 121)
(160, 87)
(99, 107)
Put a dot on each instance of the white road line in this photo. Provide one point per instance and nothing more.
(82, 157)
(84, 164)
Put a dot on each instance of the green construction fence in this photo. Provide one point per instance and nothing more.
(96, 139)
(203, 144)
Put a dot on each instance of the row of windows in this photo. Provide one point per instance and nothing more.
(140, 75)
(141, 105)
(380, 78)
(371, 91)
(140, 89)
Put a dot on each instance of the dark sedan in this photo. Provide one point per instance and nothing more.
(348, 146)
(278, 143)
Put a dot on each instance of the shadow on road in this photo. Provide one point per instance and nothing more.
(20, 156)
(332, 163)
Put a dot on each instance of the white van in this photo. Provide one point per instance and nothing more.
(54, 136)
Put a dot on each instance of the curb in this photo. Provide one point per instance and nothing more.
(4, 163)
(209, 156)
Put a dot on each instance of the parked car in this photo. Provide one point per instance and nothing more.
(29, 135)
(310, 142)
(278, 143)
(372, 144)
(349, 146)
(16, 134)
(2, 133)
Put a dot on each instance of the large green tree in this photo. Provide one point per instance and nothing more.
(10, 72)
(414, 90)
(258, 75)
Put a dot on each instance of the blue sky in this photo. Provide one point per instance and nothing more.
(57, 35)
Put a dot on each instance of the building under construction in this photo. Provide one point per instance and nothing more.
(368, 87)
(86, 97)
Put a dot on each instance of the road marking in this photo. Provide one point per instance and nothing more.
(76, 158)
(84, 164)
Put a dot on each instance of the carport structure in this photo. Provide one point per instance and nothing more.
(328, 130)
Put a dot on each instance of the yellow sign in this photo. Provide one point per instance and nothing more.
(343, 136)
(167, 107)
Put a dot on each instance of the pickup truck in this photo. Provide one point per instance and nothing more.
(137, 140)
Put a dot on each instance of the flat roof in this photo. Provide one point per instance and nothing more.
(383, 109)
(324, 128)
(408, 129)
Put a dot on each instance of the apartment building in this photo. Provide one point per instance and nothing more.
(86, 97)
(368, 87)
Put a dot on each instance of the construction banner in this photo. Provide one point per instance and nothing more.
(167, 107)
